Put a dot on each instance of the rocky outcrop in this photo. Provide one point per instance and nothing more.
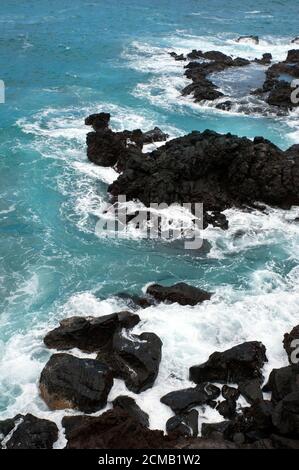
(185, 424)
(248, 39)
(220, 171)
(130, 406)
(276, 90)
(282, 382)
(89, 334)
(185, 399)
(27, 432)
(238, 364)
(135, 359)
(69, 382)
(108, 148)
(251, 390)
(202, 87)
(181, 293)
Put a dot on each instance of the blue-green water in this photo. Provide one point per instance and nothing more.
(62, 60)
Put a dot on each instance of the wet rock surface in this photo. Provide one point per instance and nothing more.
(185, 424)
(238, 364)
(130, 406)
(69, 382)
(89, 334)
(27, 432)
(181, 293)
(183, 400)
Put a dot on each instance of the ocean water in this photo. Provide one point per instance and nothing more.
(62, 60)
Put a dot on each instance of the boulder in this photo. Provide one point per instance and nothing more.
(251, 390)
(295, 40)
(134, 302)
(114, 429)
(286, 415)
(220, 171)
(69, 382)
(155, 135)
(28, 432)
(248, 39)
(98, 121)
(185, 424)
(227, 409)
(181, 293)
(291, 344)
(230, 393)
(185, 399)
(214, 430)
(236, 365)
(130, 406)
(282, 382)
(293, 56)
(136, 359)
(89, 334)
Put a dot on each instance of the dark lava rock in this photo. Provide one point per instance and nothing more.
(280, 95)
(282, 382)
(227, 409)
(134, 302)
(130, 406)
(69, 382)
(181, 293)
(286, 415)
(182, 400)
(89, 334)
(230, 393)
(154, 135)
(291, 344)
(136, 359)
(221, 171)
(28, 432)
(281, 442)
(177, 56)
(293, 56)
(214, 430)
(185, 424)
(114, 429)
(108, 148)
(253, 39)
(251, 390)
(224, 105)
(295, 40)
(238, 364)
(265, 60)
(98, 121)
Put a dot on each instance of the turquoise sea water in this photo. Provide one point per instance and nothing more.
(62, 60)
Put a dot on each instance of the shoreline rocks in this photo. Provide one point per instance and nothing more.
(69, 382)
(27, 432)
(90, 334)
(181, 293)
(235, 365)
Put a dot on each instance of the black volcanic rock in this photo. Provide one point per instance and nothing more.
(227, 408)
(230, 393)
(282, 382)
(185, 424)
(130, 406)
(220, 171)
(136, 359)
(291, 344)
(69, 382)
(28, 432)
(253, 39)
(251, 390)
(181, 293)
(89, 334)
(182, 400)
(238, 364)
(286, 415)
